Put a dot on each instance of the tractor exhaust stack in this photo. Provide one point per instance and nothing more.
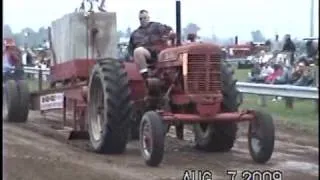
(178, 22)
(236, 40)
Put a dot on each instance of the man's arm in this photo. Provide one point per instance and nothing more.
(163, 29)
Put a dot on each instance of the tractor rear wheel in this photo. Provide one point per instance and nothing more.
(24, 100)
(109, 107)
(15, 101)
(10, 101)
(220, 136)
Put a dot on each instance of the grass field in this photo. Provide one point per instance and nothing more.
(303, 115)
(34, 85)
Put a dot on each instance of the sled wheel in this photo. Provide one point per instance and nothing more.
(10, 101)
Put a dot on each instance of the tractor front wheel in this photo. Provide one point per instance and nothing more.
(261, 137)
(152, 138)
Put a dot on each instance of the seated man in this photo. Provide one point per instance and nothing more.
(144, 41)
(297, 72)
(277, 73)
(303, 75)
(286, 75)
(266, 70)
(255, 72)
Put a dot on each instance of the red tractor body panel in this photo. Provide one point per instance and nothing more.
(80, 69)
(201, 83)
(77, 68)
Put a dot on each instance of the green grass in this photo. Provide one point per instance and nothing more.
(241, 74)
(34, 84)
(304, 114)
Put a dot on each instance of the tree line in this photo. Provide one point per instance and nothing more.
(31, 38)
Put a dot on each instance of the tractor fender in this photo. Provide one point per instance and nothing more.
(136, 81)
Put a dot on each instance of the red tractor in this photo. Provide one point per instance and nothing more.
(239, 53)
(191, 85)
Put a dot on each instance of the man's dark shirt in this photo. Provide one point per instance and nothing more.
(289, 46)
(29, 59)
(147, 36)
(255, 71)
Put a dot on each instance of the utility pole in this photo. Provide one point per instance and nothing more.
(311, 18)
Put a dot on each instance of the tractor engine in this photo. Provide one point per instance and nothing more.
(190, 78)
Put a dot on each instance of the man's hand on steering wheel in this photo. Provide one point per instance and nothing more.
(168, 36)
(172, 35)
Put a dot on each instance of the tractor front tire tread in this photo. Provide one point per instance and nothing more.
(265, 122)
(158, 138)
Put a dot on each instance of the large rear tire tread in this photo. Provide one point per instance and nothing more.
(115, 87)
(12, 100)
(221, 135)
(24, 98)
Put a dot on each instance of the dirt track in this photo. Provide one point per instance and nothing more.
(31, 156)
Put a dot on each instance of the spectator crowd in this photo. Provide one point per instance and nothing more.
(292, 70)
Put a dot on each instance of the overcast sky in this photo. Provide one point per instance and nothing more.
(225, 18)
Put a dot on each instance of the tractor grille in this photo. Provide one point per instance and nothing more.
(203, 73)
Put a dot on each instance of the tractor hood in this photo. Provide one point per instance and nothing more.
(196, 48)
